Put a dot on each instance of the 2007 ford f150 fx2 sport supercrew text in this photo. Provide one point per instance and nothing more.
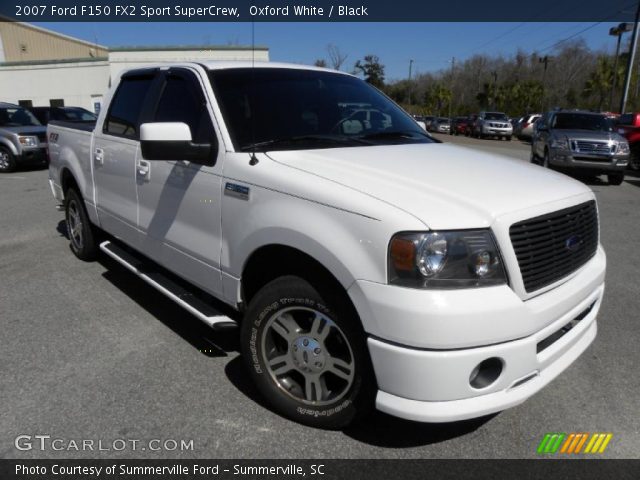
(370, 265)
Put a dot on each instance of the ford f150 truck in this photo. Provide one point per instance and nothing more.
(370, 265)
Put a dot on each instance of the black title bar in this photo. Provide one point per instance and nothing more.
(317, 11)
(547, 469)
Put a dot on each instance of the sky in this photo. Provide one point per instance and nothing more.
(430, 45)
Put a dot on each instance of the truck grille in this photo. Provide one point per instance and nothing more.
(592, 147)
(554, 245)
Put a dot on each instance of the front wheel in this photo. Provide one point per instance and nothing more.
(308, 357)
(615, 178)
(81, 234)
(7, 160)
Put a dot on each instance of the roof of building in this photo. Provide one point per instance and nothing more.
(169, 48)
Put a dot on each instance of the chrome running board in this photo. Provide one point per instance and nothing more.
(203, 311)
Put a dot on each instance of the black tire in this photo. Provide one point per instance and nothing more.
(533, 158)
(82, 238)
(7, 160)
(615, 178)
(634, 159)
(508, 137)
(296, 378)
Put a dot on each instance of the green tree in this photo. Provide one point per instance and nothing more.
(372, 70)
(598, 85)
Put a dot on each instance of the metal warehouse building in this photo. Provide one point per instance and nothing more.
(40, 67)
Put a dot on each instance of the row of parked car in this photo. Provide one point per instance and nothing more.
(23, 132)
(482, 125)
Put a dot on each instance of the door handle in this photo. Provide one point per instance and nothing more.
(143, 168)
(98, 156)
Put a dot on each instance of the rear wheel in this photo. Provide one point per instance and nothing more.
(79, 228)
(7, 160)
(615, 178)
(634, 159)
(307, 354)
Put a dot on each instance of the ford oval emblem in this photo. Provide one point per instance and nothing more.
(573, 243)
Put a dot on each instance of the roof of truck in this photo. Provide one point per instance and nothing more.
(221, 65)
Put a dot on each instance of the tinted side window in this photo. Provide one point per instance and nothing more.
(124, 113)
(626, 119)
(182, 101)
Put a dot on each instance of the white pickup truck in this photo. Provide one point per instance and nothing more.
(370, 264)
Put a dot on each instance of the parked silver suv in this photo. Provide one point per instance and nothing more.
(493, 124)
(583, 141)
(23, 139)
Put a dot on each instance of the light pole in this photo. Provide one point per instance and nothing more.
(410, 86)
(494, 74)
(545, 61)
(617, 32)
(632, 56)
(453, 65)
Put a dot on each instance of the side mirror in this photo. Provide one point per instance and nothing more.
(172, 141)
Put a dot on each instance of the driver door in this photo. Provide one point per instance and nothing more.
(179, 200)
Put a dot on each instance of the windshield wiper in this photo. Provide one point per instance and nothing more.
(394, 134)
(339, 140)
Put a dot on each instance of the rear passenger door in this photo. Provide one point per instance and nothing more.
(179, 200)
(114, 152)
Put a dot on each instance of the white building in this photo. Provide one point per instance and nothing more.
(39, 67)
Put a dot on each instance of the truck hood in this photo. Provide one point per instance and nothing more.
(588, 135)
(445, 186)
(29, 130)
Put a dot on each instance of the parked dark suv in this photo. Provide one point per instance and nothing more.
(65, 114)
(580, 141)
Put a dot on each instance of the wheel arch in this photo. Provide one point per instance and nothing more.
(9, 145)
(68, 180)
(272, 261)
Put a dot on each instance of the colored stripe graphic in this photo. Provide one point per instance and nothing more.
(553, 443)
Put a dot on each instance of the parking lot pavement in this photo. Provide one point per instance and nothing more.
(90, 352)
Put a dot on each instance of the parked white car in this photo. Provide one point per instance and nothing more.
(370, 264)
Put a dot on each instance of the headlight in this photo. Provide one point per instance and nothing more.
(623, 148)
(468, 258)
(28, 141)
(560, 142)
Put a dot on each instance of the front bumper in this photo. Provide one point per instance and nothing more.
(588, 163)
(497, 131)
(33, 156)
(430, 380)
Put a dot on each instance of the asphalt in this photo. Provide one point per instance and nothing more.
(88, 351)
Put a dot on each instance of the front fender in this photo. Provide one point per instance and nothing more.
(5, 142)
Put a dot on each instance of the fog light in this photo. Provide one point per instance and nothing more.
(486, 372)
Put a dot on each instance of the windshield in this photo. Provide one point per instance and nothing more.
(17, 117)
(581, 121)
(495, 116)
(282, 108)
(78, 115)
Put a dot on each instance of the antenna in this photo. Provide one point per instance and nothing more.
(253, 160)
